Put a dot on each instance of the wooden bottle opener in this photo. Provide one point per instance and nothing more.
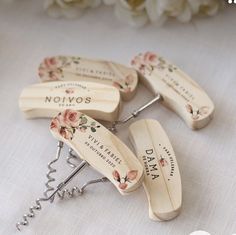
(97, 147)
(69, 68)
(162, 181)
(178, 91)
(47, 99)
(100, 148)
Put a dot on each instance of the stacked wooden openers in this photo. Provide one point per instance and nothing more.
(78, 92)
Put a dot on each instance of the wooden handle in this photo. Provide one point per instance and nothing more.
(48, 99)
(69, 68)
(162, 181)
(179, 92)
(100, 148)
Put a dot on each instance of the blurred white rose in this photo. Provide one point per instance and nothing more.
(132, 12)
(138, 12)
(68, 8)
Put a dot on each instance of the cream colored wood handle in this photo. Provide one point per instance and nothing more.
(47, 99)
(179, 92)
(69, 68)
(100, 148)
(162, 181)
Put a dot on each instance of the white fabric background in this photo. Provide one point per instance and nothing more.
(204, 48)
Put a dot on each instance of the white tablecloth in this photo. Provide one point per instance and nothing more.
(204, 48)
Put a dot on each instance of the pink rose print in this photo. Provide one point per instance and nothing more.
(150, 58)
(50, 62)
(132, 175)
(46, 75)
(70, 117)
(163, 162)
(69, 91)
(137, 61)
(196, 113)
(51, 69)
(124, 85)
(66, 133)
(70, 121)
(116, 175)
(123, 186)
(124, 180)
(55, 124)
(145, 63)
(189, 108)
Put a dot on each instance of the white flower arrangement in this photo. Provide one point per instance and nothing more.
(138, 12)
(68, 8)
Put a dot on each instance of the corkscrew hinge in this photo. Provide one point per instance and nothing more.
(134, 114)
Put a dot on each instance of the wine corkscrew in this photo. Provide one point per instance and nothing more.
(75, 190)
(46, 100)
(162, 180)
(77, 69)
(179, 91)
(31, 213)
(91, 144)
(112, 128)
(59, 191)
(38, 206)
(80, 132)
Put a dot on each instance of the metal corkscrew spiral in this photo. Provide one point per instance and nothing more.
(31, 213)
(70, 157)
(52, 170)
(38, 201)
(58, 190)
(76, 191)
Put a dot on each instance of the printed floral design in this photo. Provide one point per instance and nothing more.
(51, 69)
(69, 91)
(67, 122)
(196, 113)
(123, 181)
(124, 84)
(147, 62)
(163, 162)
